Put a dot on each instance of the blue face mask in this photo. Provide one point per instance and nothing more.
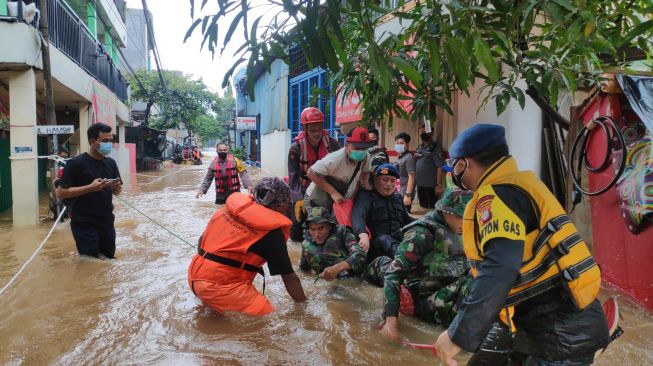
(358, 155)
(105, 148)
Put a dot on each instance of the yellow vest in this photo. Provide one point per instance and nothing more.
(553, 254)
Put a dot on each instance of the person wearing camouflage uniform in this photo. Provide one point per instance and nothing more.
(428, 276)
(330, 250)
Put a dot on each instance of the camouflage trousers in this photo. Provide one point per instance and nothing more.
(436, 300)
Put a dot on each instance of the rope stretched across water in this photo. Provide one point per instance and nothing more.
(154, 221)
(33, 255)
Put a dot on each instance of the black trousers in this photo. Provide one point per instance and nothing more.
(426, 196)
(94, 237)
(382, 245)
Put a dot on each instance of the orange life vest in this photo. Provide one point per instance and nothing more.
(229, 235)
(230, 175)
(308, 157)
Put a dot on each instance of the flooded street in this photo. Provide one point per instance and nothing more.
(138, 309)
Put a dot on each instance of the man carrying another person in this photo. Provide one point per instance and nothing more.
(331, 250)
(227, 171)
(383, 212)
(338, 175)
(88, 183)
(312, 144)
(427, 277)
(238, 240)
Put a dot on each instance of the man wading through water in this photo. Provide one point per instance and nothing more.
(88, 182)
(225, 169)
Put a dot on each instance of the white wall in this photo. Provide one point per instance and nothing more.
(274, 152)
(523, 127)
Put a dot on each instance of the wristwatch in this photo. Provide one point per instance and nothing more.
(408, 194)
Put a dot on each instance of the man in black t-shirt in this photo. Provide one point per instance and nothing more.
(88, 183)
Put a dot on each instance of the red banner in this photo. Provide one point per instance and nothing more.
(349, 109)
(104, 105)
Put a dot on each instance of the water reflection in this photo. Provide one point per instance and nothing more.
(138, 309)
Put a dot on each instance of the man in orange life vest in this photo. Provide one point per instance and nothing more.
(534, 276)
(225, 168)
(250, 231)
(312, 144)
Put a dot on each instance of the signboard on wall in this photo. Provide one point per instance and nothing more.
(55, 130)
(104, 105)
(246, 123)
(348, 109)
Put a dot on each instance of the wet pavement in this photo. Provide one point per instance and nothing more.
(138, 309)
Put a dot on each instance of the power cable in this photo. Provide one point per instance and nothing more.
(155, 49)
(615, 144)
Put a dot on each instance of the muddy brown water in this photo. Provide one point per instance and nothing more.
(70, 310)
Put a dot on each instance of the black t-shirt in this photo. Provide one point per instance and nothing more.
(82, 170)
(272, 247)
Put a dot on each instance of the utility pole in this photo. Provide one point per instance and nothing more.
(50, 115)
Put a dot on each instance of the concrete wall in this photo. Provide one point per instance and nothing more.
(523, 127)
(274, 152)
(111, 14)
(136, 45)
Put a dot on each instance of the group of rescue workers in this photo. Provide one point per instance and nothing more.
(497, 262)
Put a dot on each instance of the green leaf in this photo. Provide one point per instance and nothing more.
(484, 55)
(409, 71)
(520, 97)
(566, 4)
(230, 72)
(638, 30)
(553, 93)
(380, 69)
(434, 49)
(190, 30)
(232, 28)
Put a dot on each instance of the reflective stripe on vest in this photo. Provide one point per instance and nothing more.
(308, 157)
(553, 254)
(230, 176)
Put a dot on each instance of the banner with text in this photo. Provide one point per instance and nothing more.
(104, 105)
(348, 109)
(247, 123)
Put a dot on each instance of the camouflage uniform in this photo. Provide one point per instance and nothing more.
(430, 262)
(340, 245)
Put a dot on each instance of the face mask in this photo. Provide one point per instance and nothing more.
(425, 137)
(358, 155)
(400, 148)
(105, 148)
(458, 178)
(222, 155)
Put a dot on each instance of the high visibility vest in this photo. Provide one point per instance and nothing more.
(554, 253)
(223, 252)
(308, 157)
(230, 175)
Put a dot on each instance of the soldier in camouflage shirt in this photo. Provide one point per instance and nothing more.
(330, 250)
(428, 276)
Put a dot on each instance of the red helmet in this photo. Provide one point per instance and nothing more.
(311, 115)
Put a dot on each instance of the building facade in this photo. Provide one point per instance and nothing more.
(88, 87)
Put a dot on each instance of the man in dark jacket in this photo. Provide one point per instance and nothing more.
(383, 212)
(539, 284)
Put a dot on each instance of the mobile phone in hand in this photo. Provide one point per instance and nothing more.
(112, 181)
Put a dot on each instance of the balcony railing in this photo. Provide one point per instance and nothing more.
(70, 35)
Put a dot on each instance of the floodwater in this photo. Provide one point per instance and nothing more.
(138, 309)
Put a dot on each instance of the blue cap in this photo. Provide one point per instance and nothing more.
(476, 139)
(386, 169)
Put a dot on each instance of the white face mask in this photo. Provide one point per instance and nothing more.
(400, 148)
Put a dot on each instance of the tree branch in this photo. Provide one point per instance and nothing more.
(547, 108)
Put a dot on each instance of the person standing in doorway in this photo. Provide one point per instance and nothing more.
(228, 172)
(429, 169)
(406, 165)
(88, 183)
